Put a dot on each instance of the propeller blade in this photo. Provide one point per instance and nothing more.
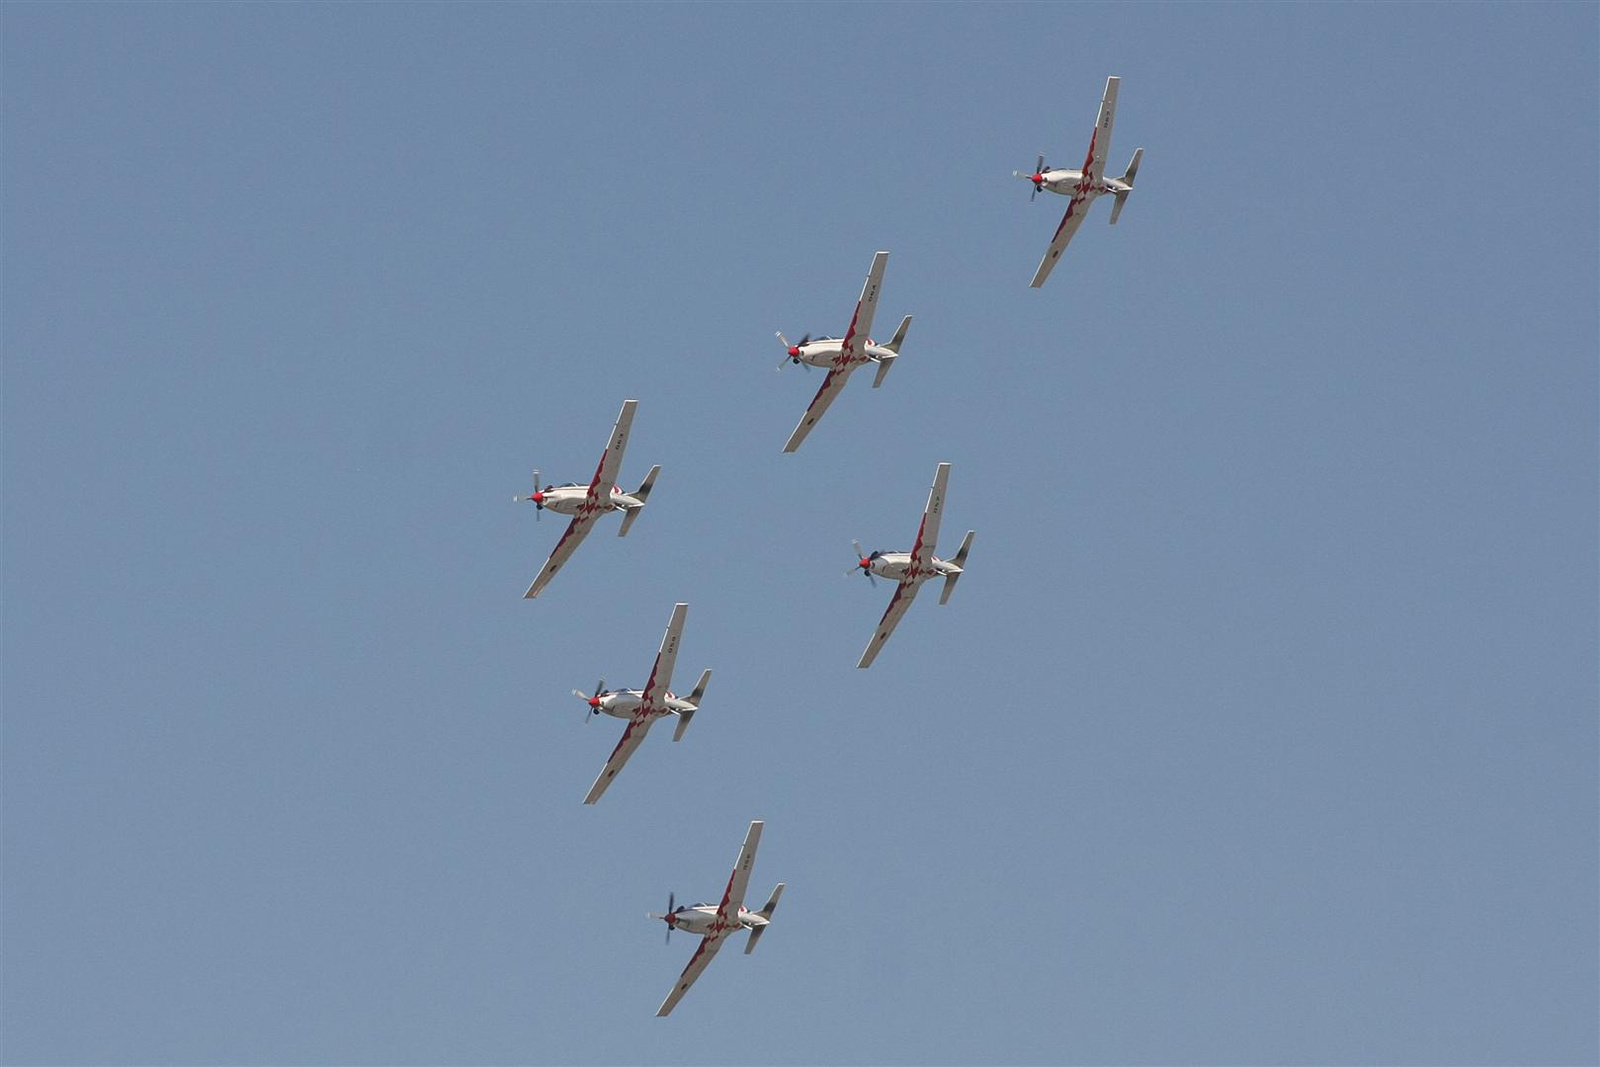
(861, 553)
(671, 900)
(783, 340)
(1038, 168)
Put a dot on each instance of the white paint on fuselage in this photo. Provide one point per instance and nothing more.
(893, 566)
(567, 499)
(1071, 183)
(829, 353)
(625, 703)
(699, 919)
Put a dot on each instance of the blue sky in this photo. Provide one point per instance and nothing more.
(1262, 729)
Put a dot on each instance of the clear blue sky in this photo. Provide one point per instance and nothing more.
(1261, 730)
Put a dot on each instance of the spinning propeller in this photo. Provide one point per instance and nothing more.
(600, 690)
(1037, 177)
(864, 563)
(536, 498)
(671, 916)
(792, 352)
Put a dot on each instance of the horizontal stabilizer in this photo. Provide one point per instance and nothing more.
(765, 913)
(883, 369)
(694, 698)
(641, 495)
(1127, 181)
(960, 560)
(899, 336)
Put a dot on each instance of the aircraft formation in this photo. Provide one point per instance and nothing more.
(908, 570)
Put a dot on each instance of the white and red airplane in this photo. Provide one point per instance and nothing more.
(841, 356)
(911, 569)
(1083, 185)
(587, 503)
(714, 922)
(642, 707)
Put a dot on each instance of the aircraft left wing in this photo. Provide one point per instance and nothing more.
(1070, 222)
(831, 386)
(1094, 167)
(697, 963)
(904, 593)
(733, 896)
(661, 673)
(631, 737)
(577, 530)
(860, 331)
(605, 475)
(928, 532)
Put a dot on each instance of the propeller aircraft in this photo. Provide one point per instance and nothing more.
(841, 356)
(910, 569)
(587, 503)
(642, 707)
(712, 923)
(1083, 186)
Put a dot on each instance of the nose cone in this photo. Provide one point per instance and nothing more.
(537, 498)
(594, 702)
(866, 564)
(672, 918)
(794, 351)
(1037, 178)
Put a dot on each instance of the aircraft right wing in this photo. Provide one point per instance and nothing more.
(577, 530)
(904, 593)
(661, 673)
(860, 331)
(631, 737)
(1070, 222)
(697, 963)
(831, 386)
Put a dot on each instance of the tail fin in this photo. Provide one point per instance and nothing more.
(640, 494)
(765, 913)
(1127, 179)
(960, 560)
(694, 698)
(894, 347)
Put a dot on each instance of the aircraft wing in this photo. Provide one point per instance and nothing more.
(697, 963)
(904, 593)
(928, 532)
(1070, 222)
(661, 673)
(605, 475)
(831, 385)
(631, 737)
(577, 530)
(860, 331)
(733, 896)
(1094, 165)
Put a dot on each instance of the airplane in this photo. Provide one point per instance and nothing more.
(714, 922)
(1083, 186)
(587, 503)
(642, 707)
(910, 569)
(841, 356)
